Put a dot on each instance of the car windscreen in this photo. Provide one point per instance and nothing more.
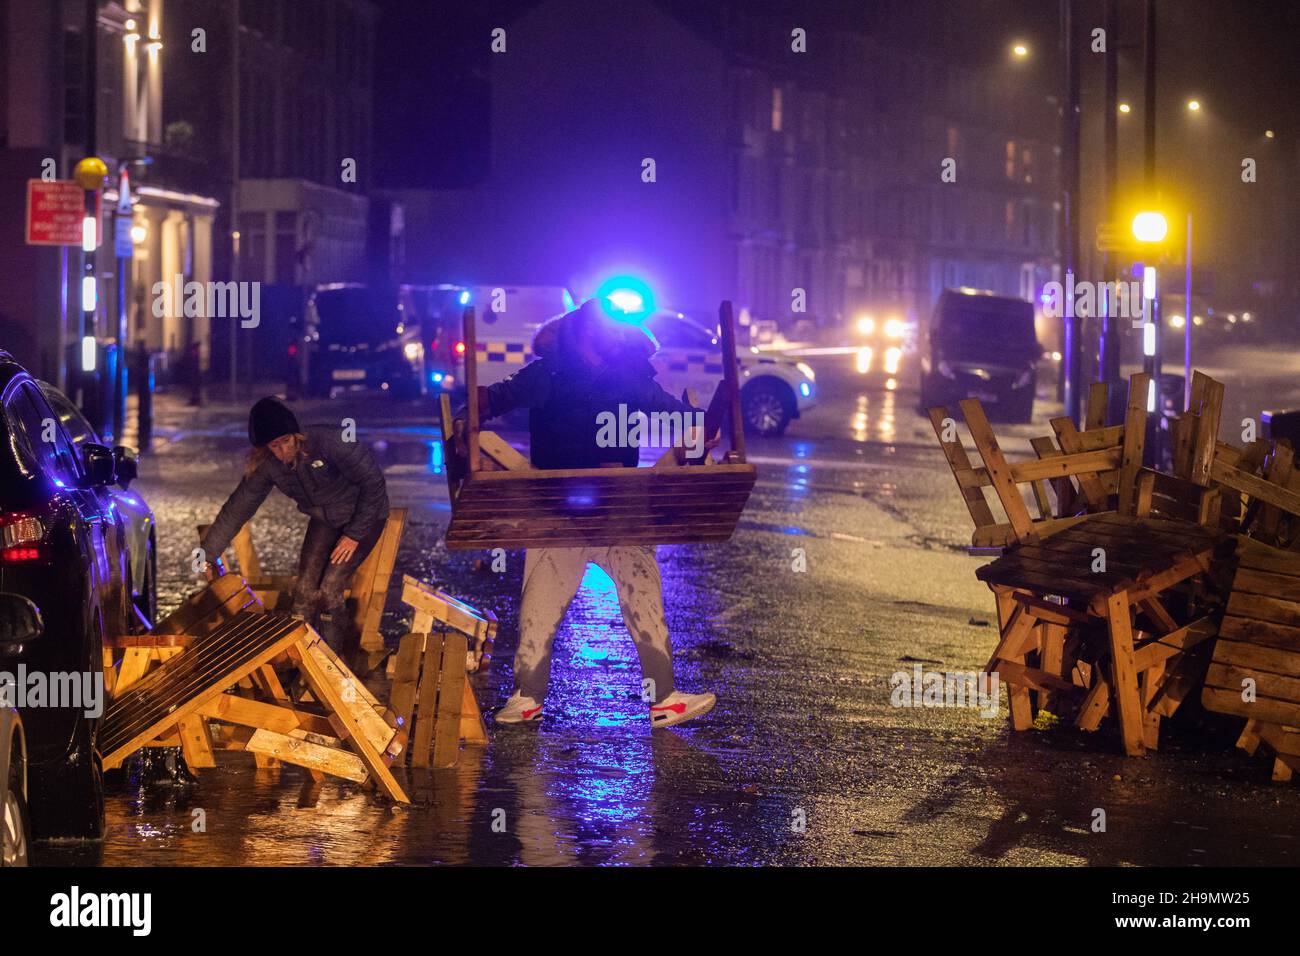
(356, 316)
(984, 331)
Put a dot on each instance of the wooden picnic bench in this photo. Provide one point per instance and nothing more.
(502, 501)
(1056, 610)
(226, 675)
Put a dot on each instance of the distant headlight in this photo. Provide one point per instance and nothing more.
(806, 371)
(413, 351)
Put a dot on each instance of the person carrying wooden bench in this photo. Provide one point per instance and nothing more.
(336, 483)
(588, 365)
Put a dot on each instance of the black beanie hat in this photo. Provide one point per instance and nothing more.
(269, 420)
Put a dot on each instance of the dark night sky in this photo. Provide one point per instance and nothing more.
(1238, 56)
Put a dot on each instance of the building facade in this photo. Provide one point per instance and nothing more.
(780, 177)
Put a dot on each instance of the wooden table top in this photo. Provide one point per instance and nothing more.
(1136, 549)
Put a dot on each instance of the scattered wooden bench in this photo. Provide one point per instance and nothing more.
(503, 502)
(218, 677)
(1255, 672)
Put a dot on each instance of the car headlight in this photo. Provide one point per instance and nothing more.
(895, 329)
(806, 371)
(866, 325)
(413, 351)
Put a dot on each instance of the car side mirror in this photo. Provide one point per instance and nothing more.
(20, 620)
(97, 462)
(126, 465)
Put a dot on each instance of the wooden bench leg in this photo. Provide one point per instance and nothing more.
(1127, 697)
(1150, 682)
(1017, 629)
(1051, 658)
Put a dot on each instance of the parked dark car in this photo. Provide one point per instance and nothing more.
(63, 545)
(142, 543)
(20, 621)
(981, 345)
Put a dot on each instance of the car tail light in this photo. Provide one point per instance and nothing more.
(22, 538)
(460, 348)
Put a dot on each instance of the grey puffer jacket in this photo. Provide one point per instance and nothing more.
(338, 482)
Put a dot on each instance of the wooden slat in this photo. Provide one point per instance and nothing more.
(182, 685)
(1207, 432)
(1228, 701)
(331, 760)
(1004, 485)
(255, 713)
(1072, 442)
(496, 448)
(1098, 400)
(1270, 660)
(1088, 462)
(1255, 486)
(1135, 423)
(960, 464)
(451, 693)
(328, 687)
(427, 700)
(1123, 674)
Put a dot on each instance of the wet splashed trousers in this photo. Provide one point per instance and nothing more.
(551, 579)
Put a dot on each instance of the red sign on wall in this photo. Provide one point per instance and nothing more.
(55, 210)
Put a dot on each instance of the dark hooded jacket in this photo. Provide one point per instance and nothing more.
(338, 483)
(565, 395)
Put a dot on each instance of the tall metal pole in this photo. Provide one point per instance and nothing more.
(1070, 203)
(1149, 163)
(234, 188)
(86, 319)
(1108, 359)
(1187, 321)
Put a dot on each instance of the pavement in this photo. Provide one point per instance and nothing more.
(848, 567)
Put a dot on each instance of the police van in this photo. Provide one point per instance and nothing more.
(774, 389)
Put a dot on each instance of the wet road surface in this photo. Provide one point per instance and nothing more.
(804, 760)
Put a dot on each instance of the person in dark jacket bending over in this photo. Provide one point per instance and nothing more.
(336, 483)
(587, 365)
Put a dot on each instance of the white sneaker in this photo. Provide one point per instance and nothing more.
(519, 710)
(677, 708)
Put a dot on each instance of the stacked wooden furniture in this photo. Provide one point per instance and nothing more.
(503, 502)
(224, 674)
(1255, 672)
(431, 694)
(1100, 601)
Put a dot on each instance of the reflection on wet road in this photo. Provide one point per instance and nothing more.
(803, 761)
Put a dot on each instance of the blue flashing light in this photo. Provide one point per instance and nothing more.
(626, 298)
(463, 299)
(436, 377)
(805, 389)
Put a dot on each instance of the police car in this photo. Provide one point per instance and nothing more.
(775, 389)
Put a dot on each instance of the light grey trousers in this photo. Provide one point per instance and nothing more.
(551, 579)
